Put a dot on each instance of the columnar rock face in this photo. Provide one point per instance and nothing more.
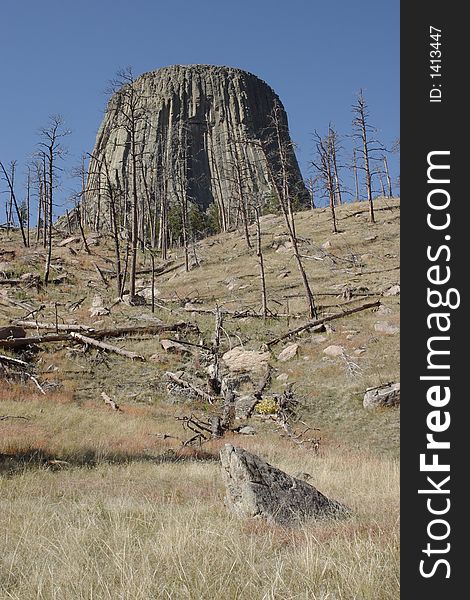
(201, 131)
(256, 489)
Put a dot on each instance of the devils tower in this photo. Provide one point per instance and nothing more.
(198, 132)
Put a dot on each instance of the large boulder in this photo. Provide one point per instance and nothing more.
(257, 489)
(239, 360)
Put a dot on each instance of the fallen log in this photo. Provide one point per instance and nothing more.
(142, 329)
(311, 324)
(12, 281)
(92, 342)
(59, 326)
(96, 334)
(33, 340)
(13, 361)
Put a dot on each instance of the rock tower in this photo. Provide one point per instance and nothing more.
(200, 132)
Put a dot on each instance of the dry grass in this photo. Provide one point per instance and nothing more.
(145, 531)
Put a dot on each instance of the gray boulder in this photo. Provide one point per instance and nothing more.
(254, 488)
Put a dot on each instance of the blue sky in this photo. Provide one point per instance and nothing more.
(58, 55)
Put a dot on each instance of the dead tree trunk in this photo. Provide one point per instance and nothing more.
(387, 175)
(280, 182)
(10, 183)
(356, 180)
(259, 254)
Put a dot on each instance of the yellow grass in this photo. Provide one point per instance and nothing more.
(144, 531)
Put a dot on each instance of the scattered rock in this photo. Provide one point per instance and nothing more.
(382, 396)
(383, 310)
(371, 238)
(232, 283)
(147, 293)
(247, 430)
(393, 291)
(288, 353)
(70, 240)
(282, 377)
(171, 346)
(97, 307)
(285, 247)
(254, 488)
(319, 339)
(238, 359)
(283, 274)
(333, 350)
(359, 351)
(135, 300)
(326, 245)
(93, 239)
(385, 327)
(244, 406)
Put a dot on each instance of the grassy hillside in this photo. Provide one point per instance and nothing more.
(105, 504)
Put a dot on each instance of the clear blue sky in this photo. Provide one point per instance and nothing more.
(58, 55)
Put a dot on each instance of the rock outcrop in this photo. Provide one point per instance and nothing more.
(256, 489)
(197, 131)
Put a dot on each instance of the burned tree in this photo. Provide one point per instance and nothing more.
(362, 132)
(130, 117)
(259, 254)
(325, 166)
(277, 143)
(10, 179)
(51, 150)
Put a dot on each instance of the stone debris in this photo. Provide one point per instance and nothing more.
(333, 350)
(385, 327)
(288, 353)
(383, 396)
(393, 291)
(97, 308)
(176, 347)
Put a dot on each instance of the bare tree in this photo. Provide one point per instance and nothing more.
(356, 179)
(334, 148)
(51, 150)
(131, 117)
(277, 146)
(362, 131)
(259, 254)
(181, 186)
(387, 175)
(10, 179)
(324, 165)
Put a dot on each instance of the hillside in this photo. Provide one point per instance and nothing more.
(107, 484)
